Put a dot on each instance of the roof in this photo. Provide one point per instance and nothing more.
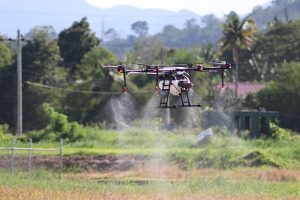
(245, 88)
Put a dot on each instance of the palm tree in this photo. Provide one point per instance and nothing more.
(237, 33)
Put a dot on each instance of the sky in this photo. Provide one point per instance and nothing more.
(201, 7)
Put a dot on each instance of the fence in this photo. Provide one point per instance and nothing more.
(30, 149)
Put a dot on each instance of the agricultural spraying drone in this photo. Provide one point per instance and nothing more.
(173, 79)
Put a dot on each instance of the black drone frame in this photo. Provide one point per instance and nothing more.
(168, 72)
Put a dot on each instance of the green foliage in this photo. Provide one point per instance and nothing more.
(5, 55)
(276, 47)
(58, 127)
(282, 94)
(4, 128)
(92, 77)
(76, 41)
(41, 64)
(4, 133)
(41, 54)
(147, 50)
(237, 34)
(258, 158)
(278, 133)
(184, 56)
(91, 65)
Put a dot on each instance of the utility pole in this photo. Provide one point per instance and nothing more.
(286, 15)
(19, 124)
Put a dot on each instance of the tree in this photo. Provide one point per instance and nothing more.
(191, 33)
(75, 42)
(84, 107)
(140, 28)
(212, 29)
(7, 72)
(111, 34)
(207, 52)
(170, 36)
(5, 55)
(278, 45)
(41, 60)
(41, 55)
(238, 33)
(147, 50)
(282, 94)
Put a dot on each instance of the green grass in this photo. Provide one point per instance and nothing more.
(216, 183)
(227, 153)
(218, 151)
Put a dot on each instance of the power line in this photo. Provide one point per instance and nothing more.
(79, 91)
(71, 90)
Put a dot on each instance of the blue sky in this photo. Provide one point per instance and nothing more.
(202, 7)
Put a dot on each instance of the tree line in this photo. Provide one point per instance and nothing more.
(66, 70)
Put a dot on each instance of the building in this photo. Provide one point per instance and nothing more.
(245, 88)
(256, 121)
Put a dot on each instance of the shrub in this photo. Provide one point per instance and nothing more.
(279, 133)
(4, 132)
(58, 127)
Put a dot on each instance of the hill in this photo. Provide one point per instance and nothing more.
(25, 15)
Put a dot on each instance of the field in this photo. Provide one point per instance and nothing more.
(139, 164)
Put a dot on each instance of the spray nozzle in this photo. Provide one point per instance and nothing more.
(125, 89)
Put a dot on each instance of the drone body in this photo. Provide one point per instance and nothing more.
(178, 83)
(172, 80)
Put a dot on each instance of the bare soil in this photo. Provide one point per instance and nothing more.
(139, 168)
(77, 163)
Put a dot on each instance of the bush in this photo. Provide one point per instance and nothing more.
(278, 133)
(58, 127)
(4, 133)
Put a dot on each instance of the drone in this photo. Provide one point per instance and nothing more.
(172, 79)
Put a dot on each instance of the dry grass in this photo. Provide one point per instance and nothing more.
(175, 173)
(164, 173)
(274, 174)
(22, 193)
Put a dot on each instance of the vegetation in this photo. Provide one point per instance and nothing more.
(213, 184)
(67, 93)
(70, 76)
(221, 151)
(223, 166)
(65, 83)
(281, 94)
(237, 34)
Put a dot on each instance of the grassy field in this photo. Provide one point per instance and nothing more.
(176, 166)
(219, 151)
(265, 183)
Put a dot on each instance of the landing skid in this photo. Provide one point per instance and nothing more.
(180, 106)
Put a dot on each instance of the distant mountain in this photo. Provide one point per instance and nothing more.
(121, 17)
(24, 15)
